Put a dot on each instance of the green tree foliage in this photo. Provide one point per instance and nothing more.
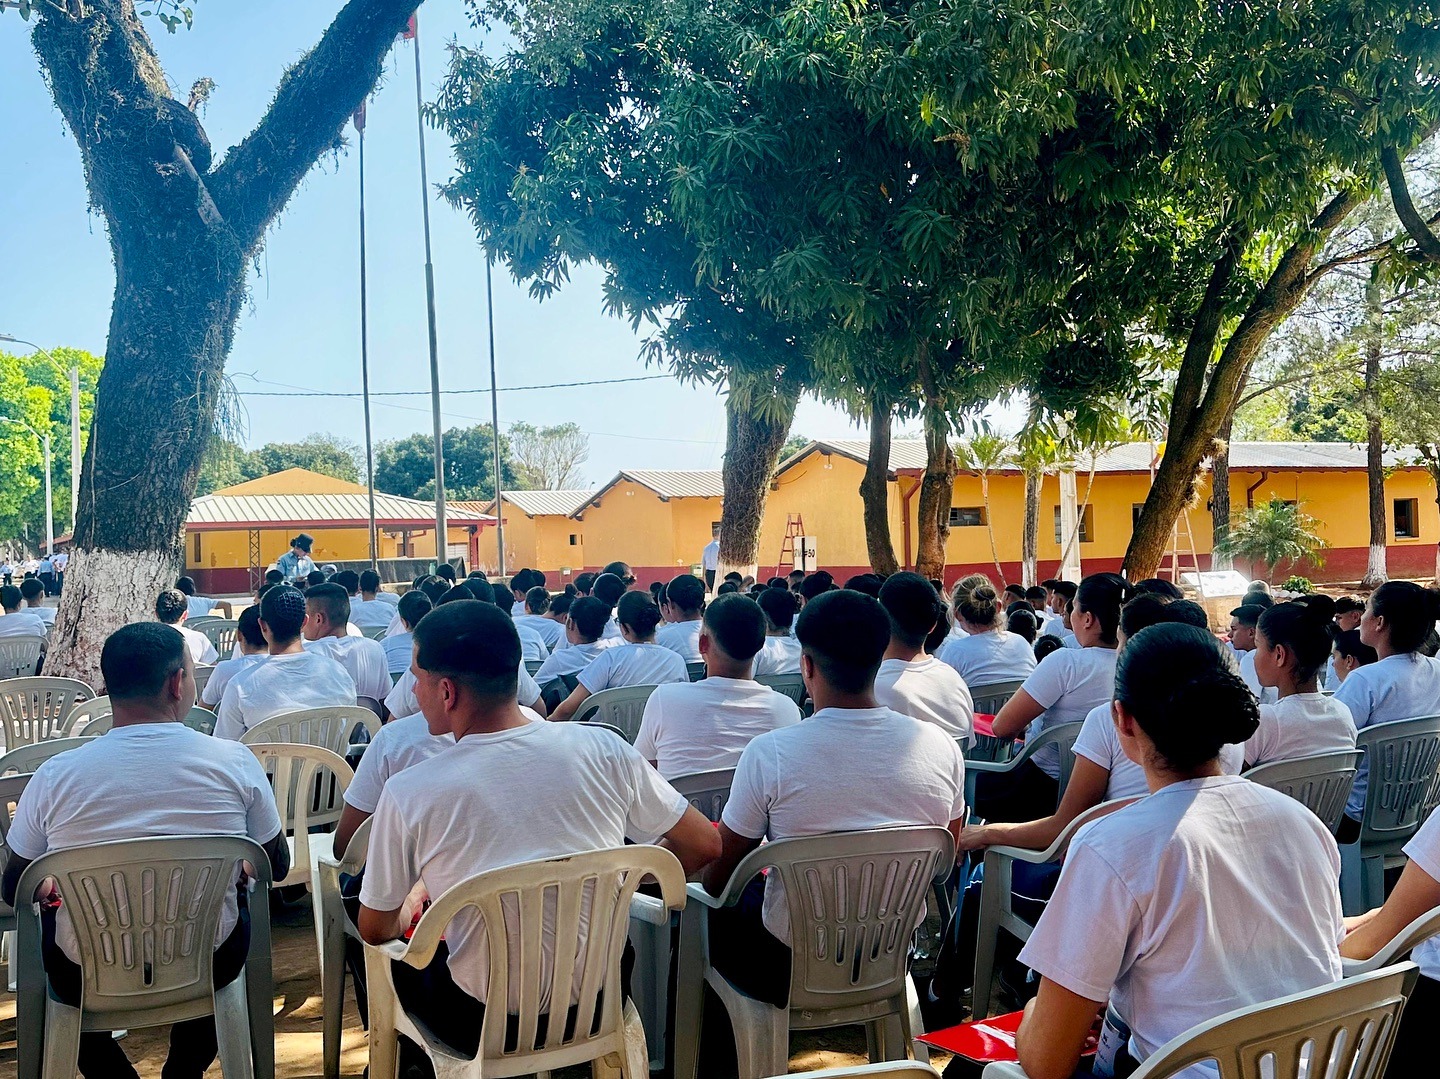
(406, 466)
(1275, 533)
(793, 445)
(227, 463)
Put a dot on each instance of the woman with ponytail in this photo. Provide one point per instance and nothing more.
(1402, 684)
(1292, 643)
(1212, 894)
(637, 662)
(985, 651)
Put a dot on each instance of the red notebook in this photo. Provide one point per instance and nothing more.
(985, 1041)
(984, 725)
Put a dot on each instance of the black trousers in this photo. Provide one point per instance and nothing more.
(192, 1043)
(751, 959)
(709, 580)
(1024, 794)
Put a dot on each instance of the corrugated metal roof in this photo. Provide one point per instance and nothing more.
(679, 484)
(548, 503)
(333, 510)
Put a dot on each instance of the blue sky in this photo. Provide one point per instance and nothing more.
(300, 330)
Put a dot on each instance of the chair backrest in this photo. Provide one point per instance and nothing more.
(1418, 931)
(792, 685)
(309, 784)
(523, 904)
(371, 705)
(623, 707)
(993, 696)
(1062, 735)
(329, 728)
(34, 709)
(696, 671)
(532, 666)
(1343, 1029)
(1320, 782)
(11, 787)
(1402, 762)
(706, 791)
(221, 633)
(375, 633)
(203, 671)
(203, 620)
(19, 656)
(200, 719)
(28, 758)
(84, 714)
(854, 899)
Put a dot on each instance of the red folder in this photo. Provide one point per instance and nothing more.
(985, 1041)
(985, 724)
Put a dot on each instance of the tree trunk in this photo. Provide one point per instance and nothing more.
(757, 422)
(875, 492)
(1030, 544)
(1376, 572)
(1220, 499)
(936, 490)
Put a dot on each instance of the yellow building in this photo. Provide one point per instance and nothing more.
(658, 522)
(233, 535)
(539, 531)
(820, 485)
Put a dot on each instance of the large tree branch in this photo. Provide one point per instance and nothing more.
(314, 100)
(1426, 242)
(1200, 347)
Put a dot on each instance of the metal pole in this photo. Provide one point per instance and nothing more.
(441, 533)
(495, 420)
(74, 447)
(365, 358)
(49, 503)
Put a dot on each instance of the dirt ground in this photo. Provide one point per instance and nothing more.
(298, 1012)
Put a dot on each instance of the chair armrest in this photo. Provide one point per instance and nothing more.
(993, 766)
(394, 949)
(1056, 850)
(1005, 1070)
(646, 908)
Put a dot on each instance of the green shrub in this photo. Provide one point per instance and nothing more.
(1298, 584)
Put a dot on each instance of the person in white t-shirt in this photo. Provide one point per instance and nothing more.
(16, 621)
(202, 605)
(327, 614)
(781, 651)
(250, 640)
(820, 776)
(911, 681)
(1348, 655)
(1128, 922)
(171, 610)
(537, 605)
(34, 593)
(368, 610)
(292, 678)
(444, 820)
(148, 776)
(637, 662)
(1243, 621)
(1292, 643)
(1062, 689)
(520, 586)
(682, 607)
(414, 605)
(585, 639)
(710, 557)
(1047, 621)
(692, 727)
(985, 652)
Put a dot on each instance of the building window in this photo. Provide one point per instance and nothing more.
(1407, 518)
(1135, 510)
(574, 540)
(1087, 525)
(967, 516)
(196, 557)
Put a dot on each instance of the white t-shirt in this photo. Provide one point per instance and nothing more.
(1300, 725)
(1406, 686)
(23, 623)
(1099, 742)
(1263, 694)
(401, 701)
(201, 650)
(224, 671)
(1128, 920)
(825, 775)
(399, 650)
(196, 606)
(1068, 685)
(930, 690)
(532, 645)
(45, 614)
(550, 631)
(150, 779)
(448, 818)
(400, 744)
(1050, 623)
(710, 555)
(571, 660)
(369, 613)
(778, 655)
(363, 658)
(983, 659)
(287, 683)
(633, 665)
(517, 608)
(1424, 851)
(703, 726)
(1069, 640)
(682, 638)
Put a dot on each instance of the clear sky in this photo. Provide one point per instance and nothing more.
(301, 328)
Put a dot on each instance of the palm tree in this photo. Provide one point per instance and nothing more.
(982, 453)
(1273, 533)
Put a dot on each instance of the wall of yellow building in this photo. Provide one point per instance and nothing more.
(629, 523)
(553, 549)
(825, 491)
(693, 518)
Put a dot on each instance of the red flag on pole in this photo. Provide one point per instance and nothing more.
(409, 32)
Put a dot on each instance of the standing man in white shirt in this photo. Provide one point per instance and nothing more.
(911, 681)
(291, 679)
(47, 574)
(171, 610)
(16, 621)
(684, 604)
(691, 727)
(710, 557)
(62, 562)
(34, 593)
(201, 605)
(443, 820)
(327, 616)
(149, 776)
(820, 776)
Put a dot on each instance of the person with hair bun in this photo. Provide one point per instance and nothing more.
(1128, 921)
(1292, 643)
(985, 651)
(637, 662)
(780, 653)
(1402, 684)
(1063, 689)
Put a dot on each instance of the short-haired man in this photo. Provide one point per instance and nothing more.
(794, 578)
(34, 594)
(683, 606)
(1062, 602)
(18, 622)
(296, 563)
(327, 617)
(201, 605)
(911, 681)
(704, 726)
(1244, 620)
(369, 610)
(710, 557)
(253, 649)
(1039, 598)
(292, 679)
(149, 776)
(820, 776)
(414, 605)
(171, 610)
(442, 821)
(537, 606)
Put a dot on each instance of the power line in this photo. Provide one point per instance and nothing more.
(426, 393)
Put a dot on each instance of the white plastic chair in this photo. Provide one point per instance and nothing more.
(203, 671)
(706, 791)
(1062, 735)
(855, 899)
(28, 758)
(696, 671)
(34, 709)
(375, 633)
(622, 707)
(1421, 929)
(332, 926)
(1344, 1029)
(19, 656)
(1320, 782)
(87, 712)
(792, 685)
(513, 903)
(309, 783)
(11, 787)
(1404, 786)
(146, 931)
(221, 633)
(988, 700)
(329, 728)
(200, 719)
(886, 1069)
(997, 908)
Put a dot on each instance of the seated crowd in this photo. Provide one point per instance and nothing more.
(1200, 893)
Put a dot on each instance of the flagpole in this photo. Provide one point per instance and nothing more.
(495, 419)
(359, 119)
(441, 532)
